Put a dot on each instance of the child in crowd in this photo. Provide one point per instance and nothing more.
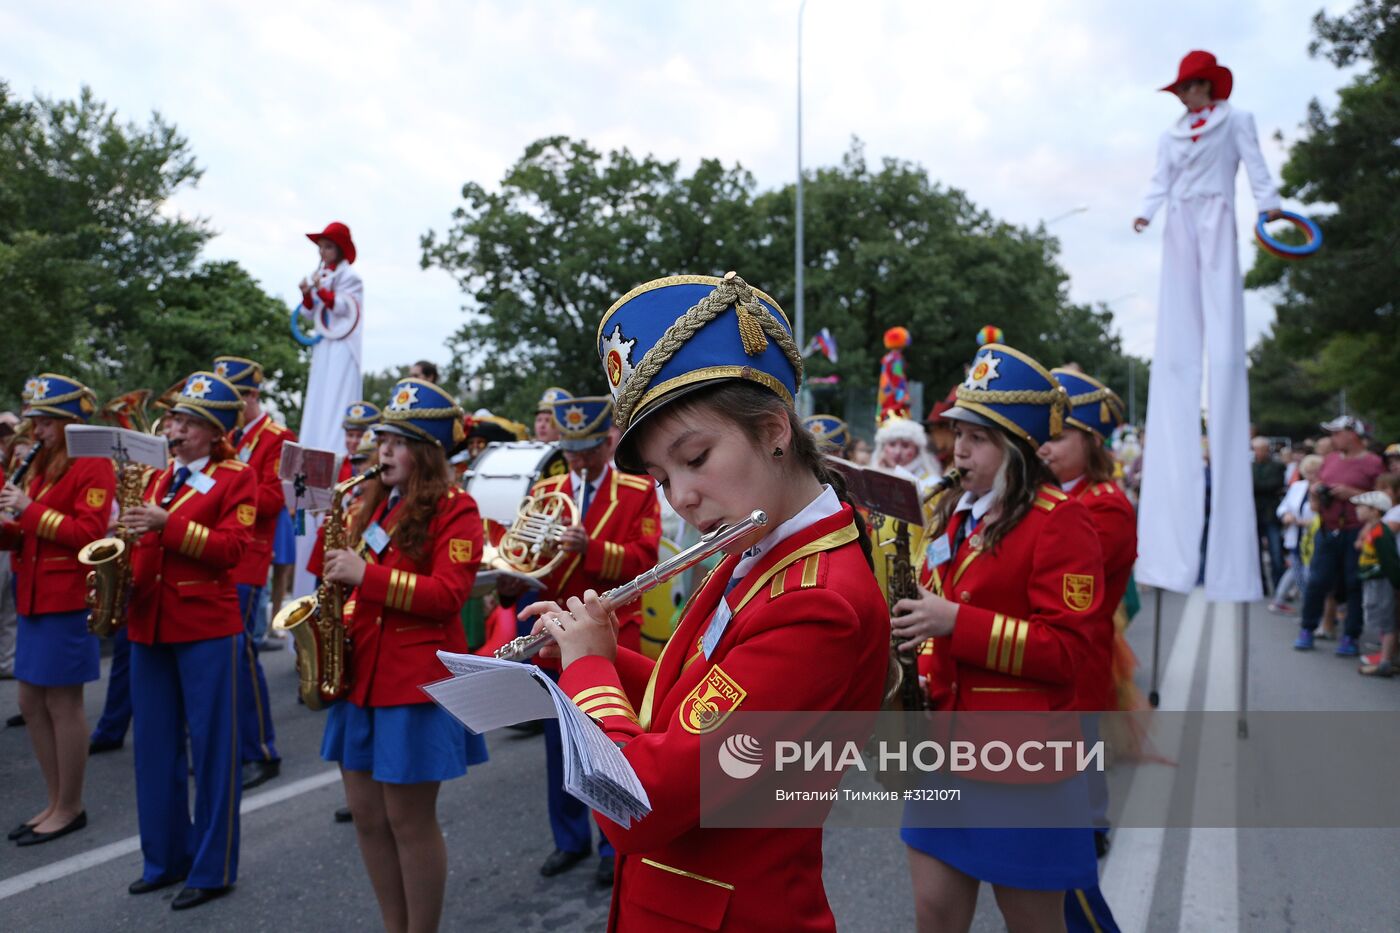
(1379, 570)
(1296, 514)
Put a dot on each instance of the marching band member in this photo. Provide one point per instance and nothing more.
(195, 526)
(796, 622)
(620, 536)
(62, 506)
(1083, 467)
(258, 443)
(417, 541)
(1201, 300)
(998, 646)
(359, 418)
(545, 428)
(831, 433)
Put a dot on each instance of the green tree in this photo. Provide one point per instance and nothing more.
(1337, 312)
(102, 281)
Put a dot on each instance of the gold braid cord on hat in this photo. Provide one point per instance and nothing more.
(1056, 398)
(408, 414)
(1109, 403)
(756, 326)
(50, 401)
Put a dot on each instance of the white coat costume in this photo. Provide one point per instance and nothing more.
(1201, 298)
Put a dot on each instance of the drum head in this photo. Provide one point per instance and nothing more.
(502, 475)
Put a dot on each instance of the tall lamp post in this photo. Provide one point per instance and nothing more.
(800, 320)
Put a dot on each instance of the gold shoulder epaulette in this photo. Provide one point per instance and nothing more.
(1051, 492)
(1104, 489)
(231, 463)
(635, 482)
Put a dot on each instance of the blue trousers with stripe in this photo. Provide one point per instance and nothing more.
(1086, 911)
(116, 714)
(179, 690)
(257, 738)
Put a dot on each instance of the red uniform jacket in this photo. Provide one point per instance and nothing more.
(405, 611)
(182, 575)
(624, 537)
(63, 518)
(261, 448)
(1028, 609)
(810, 631)
(1116, 524)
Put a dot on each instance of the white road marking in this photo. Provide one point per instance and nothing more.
(1130, 876)
(18, 884)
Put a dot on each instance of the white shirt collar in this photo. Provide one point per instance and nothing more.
(194, 466)
(247, 428)
(1072, 484)
(977, 505)
(576, 481)
(823, 506)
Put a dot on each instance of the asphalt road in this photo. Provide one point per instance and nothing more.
(301, 871)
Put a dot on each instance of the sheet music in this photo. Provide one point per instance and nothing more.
(487, 578)
(316, 469)
(90, 440)
(891, 493)
(486, 693)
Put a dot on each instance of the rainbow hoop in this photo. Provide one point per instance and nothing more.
(1288, 250)
(301, 338)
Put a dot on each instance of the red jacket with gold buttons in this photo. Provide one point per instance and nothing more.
(624, 538)
(809, 631)
(261, 448)
(1116, 524)
(63, 517)
(1027, 611)
(182, 576)
(406, 610)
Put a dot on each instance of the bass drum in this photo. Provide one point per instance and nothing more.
(660, 605)
(501, 476)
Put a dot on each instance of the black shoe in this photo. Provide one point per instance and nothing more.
(98, 746)
(561, 861)
(15, 721)
(1101, 843)
(20, 831)
(142, 886)
(343, 815)
(193, 897)
(604, 874)
(259, 772)
(36, 838)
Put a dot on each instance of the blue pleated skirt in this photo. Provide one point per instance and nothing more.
(407, 744)
(56, 649)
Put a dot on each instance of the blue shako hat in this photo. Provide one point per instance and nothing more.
(583, 422)
(677, 334)
(550, 396)
(243, 374)
(49, 395)
(212, 398)
(420, 410)
(360, 415)
(1006, 388)
(1093, 406)
(831, 432)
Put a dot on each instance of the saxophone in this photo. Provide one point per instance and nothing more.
(317, 622)
(109, 580)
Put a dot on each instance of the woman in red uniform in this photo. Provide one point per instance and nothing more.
(61, 506)
(416, 545)
(1012, 584)
(704, 372)
(195, 525)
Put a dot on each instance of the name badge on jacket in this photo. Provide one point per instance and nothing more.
(202, 482)
(938, 552)
(376, 537)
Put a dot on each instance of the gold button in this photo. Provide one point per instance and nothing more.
(966, 596)
(157, 578)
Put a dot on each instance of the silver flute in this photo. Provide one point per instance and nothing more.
(527, 646)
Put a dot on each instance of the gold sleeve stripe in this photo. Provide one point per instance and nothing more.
(994, 642)
(199, 538)
(627, 714)
(49, 522)
(410, 584)
(591, 692)
(612, 560)
(1007, 643)
(1022, 628)
(602, 702)
(185, 541)
(391, 596)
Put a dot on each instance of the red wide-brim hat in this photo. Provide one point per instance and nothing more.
(339, 234)
(1203, 66)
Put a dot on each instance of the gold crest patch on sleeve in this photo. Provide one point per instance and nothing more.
(459, 550)
(711, 702)
(648, 527)
(96, 497)
(1079, 591)
(247, 514)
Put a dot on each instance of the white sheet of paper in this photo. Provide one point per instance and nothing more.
(488, 700)
(91, 440)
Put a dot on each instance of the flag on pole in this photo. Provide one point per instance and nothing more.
(822, 342)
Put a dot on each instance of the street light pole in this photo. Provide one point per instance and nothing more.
(800, 320)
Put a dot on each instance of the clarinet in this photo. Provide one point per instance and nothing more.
(17, 476)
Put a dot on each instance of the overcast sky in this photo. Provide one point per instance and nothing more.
(376, 113)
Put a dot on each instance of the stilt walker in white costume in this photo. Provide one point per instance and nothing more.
(333, 301)
(1201, 298)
